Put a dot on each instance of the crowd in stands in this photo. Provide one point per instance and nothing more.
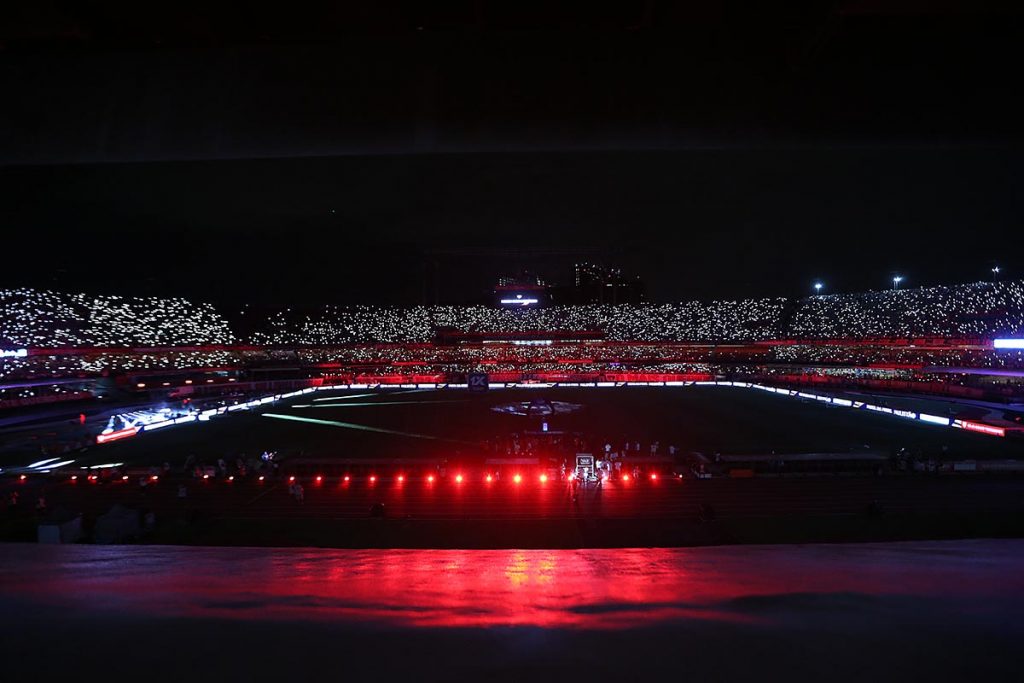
(163, 333)
(44, 319)
(981, 309)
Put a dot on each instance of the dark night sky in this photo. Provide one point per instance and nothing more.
(316, 157)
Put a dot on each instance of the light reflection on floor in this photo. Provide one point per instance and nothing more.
(562, 589)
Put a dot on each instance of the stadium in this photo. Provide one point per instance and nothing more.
(505, 341)
(448, 413)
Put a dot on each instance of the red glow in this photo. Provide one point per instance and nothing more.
(430, 478)
(517, 478)
(654, 475)
(401, 478)
(625, 477)
(489, 478)
(458, 478)
(347, 478)
(983, 428)
(115, 436)
(319, 478)
(543, 478)
(373, 478)
(572, 475)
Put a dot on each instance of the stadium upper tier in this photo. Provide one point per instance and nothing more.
(46, 319)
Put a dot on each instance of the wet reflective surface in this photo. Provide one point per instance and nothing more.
(924, 610)
(597, 589)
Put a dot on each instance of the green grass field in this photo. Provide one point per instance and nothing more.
(451, 422)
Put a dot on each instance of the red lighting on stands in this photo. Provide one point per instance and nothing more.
(114, 436)
(982, 428)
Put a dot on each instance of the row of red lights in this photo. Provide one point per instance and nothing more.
(517, 478)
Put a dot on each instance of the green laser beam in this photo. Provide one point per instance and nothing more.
(362, 428)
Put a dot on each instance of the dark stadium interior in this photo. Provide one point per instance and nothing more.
(483, 340)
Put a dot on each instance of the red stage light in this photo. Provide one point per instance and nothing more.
(517, 478)
(543, 478)
(458, 478)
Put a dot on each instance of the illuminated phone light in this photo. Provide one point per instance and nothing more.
(543, 478)
(346, 478)
(206, 476)
(124, 478)
(625, 477)
(458, 478)
(74, 477)
(319, 478)
(23, 477)
(291, 478)
(154, 478)
(654, 475)
(373, 478)
(400, 478)
(261, 478)
(517, 478)
(488, 478)
(231, 478)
